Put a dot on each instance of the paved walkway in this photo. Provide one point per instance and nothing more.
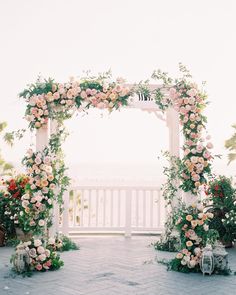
(111, 266)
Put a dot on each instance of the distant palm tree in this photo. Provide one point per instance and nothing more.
(5, 168)
(230, 144)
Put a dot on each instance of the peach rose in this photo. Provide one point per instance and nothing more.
(189, 217)
(189, 243)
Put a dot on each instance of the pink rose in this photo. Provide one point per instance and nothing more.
(83, 94)
(40, 249)
(206, 155)
(38, 161)
(38, 267)
(209, 145)
(172, 92)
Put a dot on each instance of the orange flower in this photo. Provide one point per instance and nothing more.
(200, 222)
(189, 243)
(189, 217)
(194, 223)
(179, 256)
(44, 183)
(27, 209)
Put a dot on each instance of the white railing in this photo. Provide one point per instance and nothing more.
(113, 209)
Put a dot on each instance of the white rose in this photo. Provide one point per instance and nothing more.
(42, 257)
(25, 203)
(40, 250)
(200, 215)
(47, 253)
(41, 222)
(51, 241)
(26, 196)
(200, 207)
(32, 253)
(37, 243)
(183, 262)
(206, 227)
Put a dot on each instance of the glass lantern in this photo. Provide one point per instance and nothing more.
(175, 240)
(220, 257)
(207, 260)
(21, 259)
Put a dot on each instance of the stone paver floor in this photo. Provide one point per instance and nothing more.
(111, 266)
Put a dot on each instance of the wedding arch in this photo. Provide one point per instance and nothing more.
(178, 102)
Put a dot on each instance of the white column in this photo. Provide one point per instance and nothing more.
(65, 219)
(41, 143)
(174, 148)
(190, 198)
(55, 211)
(41, 138)
(172, 120)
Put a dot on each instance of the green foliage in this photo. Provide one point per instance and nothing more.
(167, 243)
(10, 137)
(67, 244)
(5, 216)
(230, 145)
(56, 261)
(5, 167)
(172, 173)
(222, 203)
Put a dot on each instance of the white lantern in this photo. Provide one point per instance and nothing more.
(207, 260)
(175, 240)
(21, 259)
(220, 257)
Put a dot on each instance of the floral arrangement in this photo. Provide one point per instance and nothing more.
(39, 191)
(221, 200)
(64, 243)
(42, 255)
(189, 101)
(193, 225)
(49, 99)
(10, 202)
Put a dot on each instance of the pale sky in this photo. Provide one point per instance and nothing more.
(63, 38)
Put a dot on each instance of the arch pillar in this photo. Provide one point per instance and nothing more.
(172, 121)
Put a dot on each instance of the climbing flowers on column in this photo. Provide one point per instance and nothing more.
(189, 101)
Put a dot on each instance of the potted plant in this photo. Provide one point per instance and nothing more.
(222, 203)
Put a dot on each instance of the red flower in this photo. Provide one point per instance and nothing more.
(12, 185)
(16, 195)
(216, 187)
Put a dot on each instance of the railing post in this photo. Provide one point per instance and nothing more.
(128, 232)
(65, 214)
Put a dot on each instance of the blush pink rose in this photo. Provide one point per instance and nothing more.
(39, 267)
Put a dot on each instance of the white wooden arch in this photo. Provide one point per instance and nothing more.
(170, 116)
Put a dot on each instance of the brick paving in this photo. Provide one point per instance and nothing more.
(111, 266)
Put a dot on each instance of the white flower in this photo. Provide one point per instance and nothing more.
(42, 257)
(183, 262)
(41, 222)
(200, 215)
(25, 196)
(25, 203)
(40, 249)
(51, 241)
(47, 252)
(197, 250)
(32, 252)
(37, 243)
(200, 207)
(206, 227)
